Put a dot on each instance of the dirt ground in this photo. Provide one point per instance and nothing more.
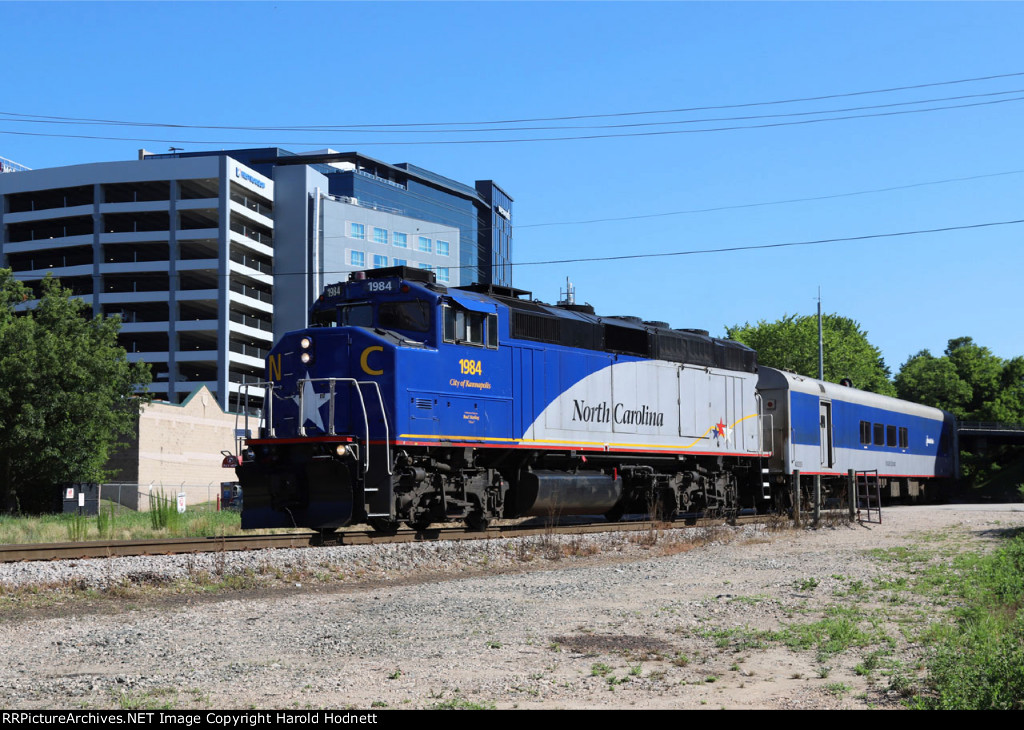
(749, 619)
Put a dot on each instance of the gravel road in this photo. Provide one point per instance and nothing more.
(621, 620)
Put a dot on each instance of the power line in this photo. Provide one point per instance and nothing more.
(278, 143)
(322, 128)
(719, 208)
(31, 119)
(752, 247)
(762, 246)
(768, 203)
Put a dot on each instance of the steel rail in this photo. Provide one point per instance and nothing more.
(234, 543)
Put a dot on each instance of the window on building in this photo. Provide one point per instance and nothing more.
(442, 248)
(380, 235)
(357, 258)
(425, 244)
(442, 274)
(426, 267)
(401, 262)
(357, 230)
(400, 239)
(379, 262)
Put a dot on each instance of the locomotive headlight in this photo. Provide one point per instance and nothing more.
(306, 345)
(341, 450)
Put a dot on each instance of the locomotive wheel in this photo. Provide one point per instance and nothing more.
(477, 522)
(418, 526)
(384, 525)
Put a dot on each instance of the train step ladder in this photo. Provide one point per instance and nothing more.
(869, 497)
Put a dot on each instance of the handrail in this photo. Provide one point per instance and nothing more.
(362, 402)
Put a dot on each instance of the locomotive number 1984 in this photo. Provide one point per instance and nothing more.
(471, 367)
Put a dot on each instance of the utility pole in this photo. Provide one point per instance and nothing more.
(821, 342)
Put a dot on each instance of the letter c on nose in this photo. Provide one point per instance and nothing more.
(365, 357)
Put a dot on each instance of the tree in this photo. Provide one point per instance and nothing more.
(791, 343)
(968, 380)
(974, 385)
(67, 391)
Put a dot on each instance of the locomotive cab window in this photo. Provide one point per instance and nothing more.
(470, 328)
(413, 316)
(355, 315)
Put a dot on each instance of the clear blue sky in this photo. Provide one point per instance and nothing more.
(301, 64)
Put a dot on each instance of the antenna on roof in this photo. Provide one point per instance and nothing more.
(569, 295)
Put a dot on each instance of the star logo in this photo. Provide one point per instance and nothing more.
(311, 402)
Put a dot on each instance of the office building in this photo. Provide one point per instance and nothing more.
(208, 256)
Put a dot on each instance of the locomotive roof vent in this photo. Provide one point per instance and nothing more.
(585, 308)
(402, 272)
(657, 323)
(627, 317)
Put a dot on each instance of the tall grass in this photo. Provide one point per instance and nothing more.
(978, 663)
(115, 522)
(163, 512)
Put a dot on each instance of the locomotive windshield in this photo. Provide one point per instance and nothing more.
(412, 316)
(355, 315)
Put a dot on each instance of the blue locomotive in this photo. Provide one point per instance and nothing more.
(409, 401)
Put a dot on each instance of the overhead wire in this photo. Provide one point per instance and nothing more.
(573, 117)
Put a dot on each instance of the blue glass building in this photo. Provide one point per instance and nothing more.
(482, 214)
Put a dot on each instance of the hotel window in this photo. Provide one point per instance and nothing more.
(401, 262)
(442, 274)
(357, 258)
(357, 230)
(442, 248)
(380, 235)
(425, 244)
(379, 262)
(400, 240)
(426, 267)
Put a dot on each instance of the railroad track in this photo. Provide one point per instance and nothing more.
(232, 543)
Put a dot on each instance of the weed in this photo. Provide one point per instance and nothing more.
(457, 703)
(599, 670)
(837, 688)
(77, 526)
(806, 584)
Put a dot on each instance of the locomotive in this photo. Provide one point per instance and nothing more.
(407, 401)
